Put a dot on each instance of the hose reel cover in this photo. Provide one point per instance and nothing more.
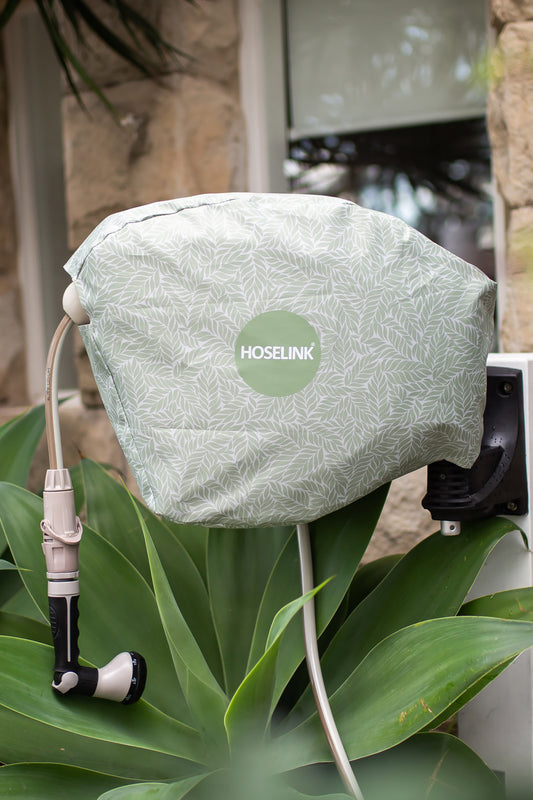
(267, 359)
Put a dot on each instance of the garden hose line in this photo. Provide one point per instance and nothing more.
(123, 679)
(53, 432)
(315, 672)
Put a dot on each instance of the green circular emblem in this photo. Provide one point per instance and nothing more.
(277, 353)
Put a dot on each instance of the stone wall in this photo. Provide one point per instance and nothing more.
(12, 361)
(182, 134)
(510, 120)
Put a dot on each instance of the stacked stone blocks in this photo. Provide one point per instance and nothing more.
(510, 118)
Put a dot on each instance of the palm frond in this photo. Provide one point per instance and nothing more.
(133, 38)
(66, 57)
(7, 11)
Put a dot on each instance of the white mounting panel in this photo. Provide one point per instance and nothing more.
(498, 723)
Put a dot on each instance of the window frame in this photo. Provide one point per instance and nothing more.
(263, 98)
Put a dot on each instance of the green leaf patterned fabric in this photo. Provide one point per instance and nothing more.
(267, 359)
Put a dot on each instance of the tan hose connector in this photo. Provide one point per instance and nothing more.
(72, 306)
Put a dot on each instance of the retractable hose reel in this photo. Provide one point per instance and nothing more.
(264, 360)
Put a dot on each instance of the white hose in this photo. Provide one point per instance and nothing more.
(315, 672)
(53, 430)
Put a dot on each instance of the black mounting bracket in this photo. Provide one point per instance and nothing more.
(497, 481)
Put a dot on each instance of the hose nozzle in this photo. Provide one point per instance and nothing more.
(122, 680)
(124, 677)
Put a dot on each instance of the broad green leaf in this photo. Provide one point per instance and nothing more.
(249, 711)
(118, 611)
(153, 791)
(194, 540)
(435, 766)
(464, 698)
(283, 586)
(406, 681)
(111, 512)
(10, 580)
(10, 585)
(511, 604)
(18, 442)
(117, 608)
(292, 794)
(24, 628)
(172, 618)
(338, 543)
(239, 563)
(285, 614)
(23, 738)
(58, 781)
(204, 696)
(21, 602)
(5, 566)
(26, 668)
(368, 576)
(430, 581)
(20, 518)
(426, 766)
(188, 588)
(207, 707)
(250, 777)
(251, 707)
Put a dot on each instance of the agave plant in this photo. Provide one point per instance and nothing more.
(227, 710)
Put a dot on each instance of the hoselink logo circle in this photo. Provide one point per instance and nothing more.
(277, 353)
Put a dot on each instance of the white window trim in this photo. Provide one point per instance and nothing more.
(38, 188)
(26, 210)
(262, 86)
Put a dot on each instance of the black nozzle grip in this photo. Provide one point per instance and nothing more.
(64, 625)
